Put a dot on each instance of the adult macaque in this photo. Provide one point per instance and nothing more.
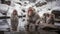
(32, 18)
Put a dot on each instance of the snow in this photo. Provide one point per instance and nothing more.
(43, 9)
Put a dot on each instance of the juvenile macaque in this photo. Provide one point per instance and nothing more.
(44, 18)
(14, 20)
(50, 19)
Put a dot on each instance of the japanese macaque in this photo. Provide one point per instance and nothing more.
(14, 20)
(44, 18)
(32, 18)
(50, 19)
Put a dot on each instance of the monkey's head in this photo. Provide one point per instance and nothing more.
(30, 11)
(14, 12)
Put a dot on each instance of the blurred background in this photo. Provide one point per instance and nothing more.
(41, 6)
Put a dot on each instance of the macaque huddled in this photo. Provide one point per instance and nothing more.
(33, 19)
(48, 18)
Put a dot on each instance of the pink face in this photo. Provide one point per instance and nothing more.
(30, 13)
(14, 12)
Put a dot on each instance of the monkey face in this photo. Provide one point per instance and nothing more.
(14, 12)
(30, 13)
